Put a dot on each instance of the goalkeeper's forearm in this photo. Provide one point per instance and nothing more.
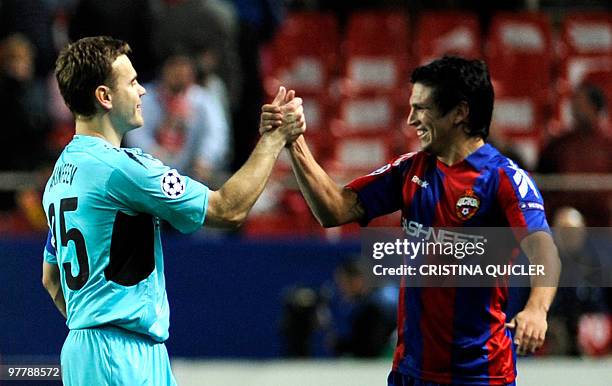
(60, 302)
(52, 282)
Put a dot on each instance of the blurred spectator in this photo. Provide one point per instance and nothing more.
(62, 119)
(301, 317)
(25, 119)
(185, 125)
(207, 64)
(34, 19)
(130, 21)
(26, 125)
(584, 149)
(579, 292)
(196, 27)
(365, 317)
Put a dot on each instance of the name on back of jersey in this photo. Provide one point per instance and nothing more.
(62, 174)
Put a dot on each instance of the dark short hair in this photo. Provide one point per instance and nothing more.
(84, 65)
(456, 79)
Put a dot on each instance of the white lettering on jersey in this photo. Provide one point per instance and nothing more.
(522, 180)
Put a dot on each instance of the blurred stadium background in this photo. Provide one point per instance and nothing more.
(268, 305)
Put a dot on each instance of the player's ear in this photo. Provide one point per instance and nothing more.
(104, 97)
(462, 112)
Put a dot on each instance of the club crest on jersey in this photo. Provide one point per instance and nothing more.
(467, 205)
(172, 184)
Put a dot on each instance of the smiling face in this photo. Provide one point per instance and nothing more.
(126, 112)
(434, 130)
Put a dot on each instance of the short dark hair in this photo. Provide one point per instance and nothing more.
(456, 79)
(84, 65)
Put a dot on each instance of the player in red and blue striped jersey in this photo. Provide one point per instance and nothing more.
(448, 336)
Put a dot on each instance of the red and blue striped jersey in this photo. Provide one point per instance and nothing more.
(454, 335)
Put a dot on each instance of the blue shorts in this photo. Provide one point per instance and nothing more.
(113, 356)
(398, 379)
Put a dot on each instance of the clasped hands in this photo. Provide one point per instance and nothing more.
(285, 115)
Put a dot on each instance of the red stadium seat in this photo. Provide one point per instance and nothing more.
(288, 225)
(377, 33)
(586, 56)
(365, 115)
(586, 34)
(447, 32)
(576, 69)
(376, 52)
(321, 148)
(586, 45)
(357, 155)
(520, 54)
(585, 52)
(516, 114)
(303, 54)
(518, 120)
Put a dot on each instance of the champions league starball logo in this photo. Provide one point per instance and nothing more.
(172, 184)
(467, 205)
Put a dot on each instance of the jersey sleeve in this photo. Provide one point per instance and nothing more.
(144, 184)
(521, 201)
(49, 253)
(380, 192)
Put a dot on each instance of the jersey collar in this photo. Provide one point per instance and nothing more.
(482, 156)
(92, 139)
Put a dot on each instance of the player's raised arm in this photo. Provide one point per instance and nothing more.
(229, 206)
(330, 203)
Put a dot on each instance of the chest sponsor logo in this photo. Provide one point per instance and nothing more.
(467, 205)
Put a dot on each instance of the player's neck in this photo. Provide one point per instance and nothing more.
(459, 150)
(98, 126)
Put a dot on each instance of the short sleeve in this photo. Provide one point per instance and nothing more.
(380, 192)
(144, 184)
(520, 200)
(49, 252)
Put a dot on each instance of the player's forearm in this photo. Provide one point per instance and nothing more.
(541, 250)
(541, 298)
(59, 301)
(239, 193)
(54, 289)
(331, 204)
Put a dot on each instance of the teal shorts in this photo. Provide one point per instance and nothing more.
(113, 356)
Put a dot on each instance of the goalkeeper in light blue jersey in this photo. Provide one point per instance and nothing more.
(103, 262)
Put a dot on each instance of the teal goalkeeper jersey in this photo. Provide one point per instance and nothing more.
(103, 206)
